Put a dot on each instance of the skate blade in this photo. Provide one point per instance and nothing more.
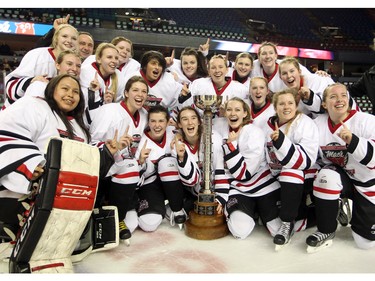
(280, 247)
(311, 249)
(126, 242)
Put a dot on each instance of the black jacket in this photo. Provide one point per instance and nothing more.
(365, 86)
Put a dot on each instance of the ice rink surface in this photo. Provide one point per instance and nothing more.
(169, 250)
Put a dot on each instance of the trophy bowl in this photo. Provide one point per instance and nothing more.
(208, 102)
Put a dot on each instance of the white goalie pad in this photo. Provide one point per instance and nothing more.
(61, 211)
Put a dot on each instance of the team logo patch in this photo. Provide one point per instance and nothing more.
(151, 101)
(274, 163)
(143, 205)
(232, 202)
(336, 153)
(134, 145)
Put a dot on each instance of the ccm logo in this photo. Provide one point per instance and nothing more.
(76, 191)
(24, 231)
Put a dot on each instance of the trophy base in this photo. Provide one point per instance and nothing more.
(206, 227)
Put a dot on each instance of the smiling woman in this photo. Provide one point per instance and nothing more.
(27, 125)
(39, 64)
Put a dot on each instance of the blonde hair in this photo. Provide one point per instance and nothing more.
(57, 32)
(275, 99)
(329, 87)
(219, 56)
(259, 78)
(98, 54)
(61, 56)
(245, 55)
(291, 60)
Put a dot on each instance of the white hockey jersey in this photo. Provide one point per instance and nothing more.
(358, 158)
(261, 117)
(112, 116)
(88, 72)
(26, 128)
(296, 150)
(205, 86)
(39, 61)
(190, 169)
(233, 75)
(131, 66)
(158, 150)
(164, 91)
(245, 161)
(275, 84)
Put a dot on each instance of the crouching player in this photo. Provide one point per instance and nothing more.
(54, 211)
(346, 146)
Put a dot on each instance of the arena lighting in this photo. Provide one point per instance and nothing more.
(24, 28)
(281, 50)
(30, 28)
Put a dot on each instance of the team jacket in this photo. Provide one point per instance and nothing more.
(357, 158)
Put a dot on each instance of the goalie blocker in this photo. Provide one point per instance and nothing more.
(62, 211)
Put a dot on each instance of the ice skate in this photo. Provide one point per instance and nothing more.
(125, 233)
(283, 236)
(178, 218)
(318, 241)
(344, 215)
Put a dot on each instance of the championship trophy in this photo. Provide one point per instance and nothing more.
(204, 222)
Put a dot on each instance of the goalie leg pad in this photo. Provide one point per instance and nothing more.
(61, 211)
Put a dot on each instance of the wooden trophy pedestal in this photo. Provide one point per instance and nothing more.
(206, 227)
